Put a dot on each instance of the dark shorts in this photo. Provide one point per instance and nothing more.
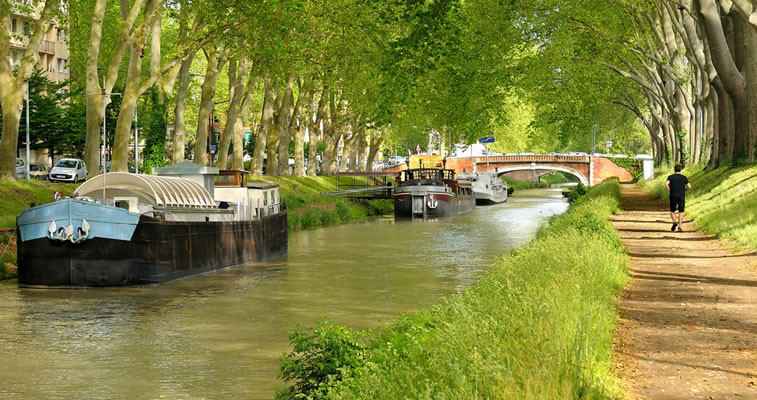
(677, 203)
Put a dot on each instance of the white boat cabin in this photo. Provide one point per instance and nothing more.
(185, 193)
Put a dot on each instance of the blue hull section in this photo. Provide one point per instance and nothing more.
(105, 222)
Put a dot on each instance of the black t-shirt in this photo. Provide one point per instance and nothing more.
(678, 184)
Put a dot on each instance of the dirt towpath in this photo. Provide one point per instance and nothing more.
(688, 318)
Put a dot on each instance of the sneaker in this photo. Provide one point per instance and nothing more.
(673, 228)
(680, 229)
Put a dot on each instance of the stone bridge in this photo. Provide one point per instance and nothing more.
(588, 170)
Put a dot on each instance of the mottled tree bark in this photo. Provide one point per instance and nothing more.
(286, 111)
(266, 120)
(180, 105)
(13, 85)
(216, 60)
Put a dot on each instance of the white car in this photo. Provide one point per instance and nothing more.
(20, 168)
(68, 170)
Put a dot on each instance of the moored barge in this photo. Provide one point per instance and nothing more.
(487, 188)
(121, 229)
(431, 193)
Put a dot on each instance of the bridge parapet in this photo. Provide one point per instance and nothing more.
(541, 158)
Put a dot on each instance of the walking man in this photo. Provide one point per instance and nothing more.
(677, 185)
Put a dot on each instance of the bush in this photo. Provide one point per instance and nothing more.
(319, 358)
(538, 326)
(576, 193)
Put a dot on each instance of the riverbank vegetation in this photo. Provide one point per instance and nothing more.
(722, 201)
(539, 325)
(308, 206)
(15, 196)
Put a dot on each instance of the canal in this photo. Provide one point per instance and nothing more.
(220, 336)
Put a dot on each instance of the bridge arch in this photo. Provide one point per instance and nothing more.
(545, 167)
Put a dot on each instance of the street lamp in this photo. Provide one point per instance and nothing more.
(28, 147)
(136, 139)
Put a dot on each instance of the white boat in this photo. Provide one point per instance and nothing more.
(487, 188)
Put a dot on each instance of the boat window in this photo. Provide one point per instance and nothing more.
(127, 203)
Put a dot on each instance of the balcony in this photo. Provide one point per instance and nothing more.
(47, 47)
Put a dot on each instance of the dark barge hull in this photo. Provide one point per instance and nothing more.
(158, 252)
(447, 205)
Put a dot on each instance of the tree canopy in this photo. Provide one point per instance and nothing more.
(341, 80)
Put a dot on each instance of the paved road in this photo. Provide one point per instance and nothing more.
(688, 327)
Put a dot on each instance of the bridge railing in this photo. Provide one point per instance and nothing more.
(533, 158)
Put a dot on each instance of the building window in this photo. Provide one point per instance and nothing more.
(14, 25)
(27, 28)
(62, 65)
(61, 35)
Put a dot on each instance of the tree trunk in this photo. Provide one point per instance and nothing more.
(237, 159)
(13, 84)
(373, 148)
(9, 142)
(299, 150)
(284, 128)
(315, 135)
(731, 78)
(238, 71)
(330, 164)
(750, 75)
(725, 125)
(126, 113)
(266, 120)
(215, 63)
(713, 159)
(182, 92)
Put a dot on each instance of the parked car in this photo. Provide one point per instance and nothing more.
(38, 171)
(20, 168)
(68, 170)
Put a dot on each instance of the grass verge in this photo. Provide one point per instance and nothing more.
(722, 201)
(15, 196)
(538, 326)
(309, 208)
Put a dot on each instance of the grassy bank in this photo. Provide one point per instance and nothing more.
(15, 196)
(309, 208)
(722, 201)
(538, 326)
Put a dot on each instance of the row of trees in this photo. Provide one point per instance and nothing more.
(675, 76)
(345, 74)
(685, 69)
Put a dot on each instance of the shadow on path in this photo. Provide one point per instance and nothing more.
(688, 318)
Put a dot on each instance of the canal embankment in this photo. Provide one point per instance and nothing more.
(15, 196)
(308, 207)
(538, 325)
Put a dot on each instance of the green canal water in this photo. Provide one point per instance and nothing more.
(220, 335)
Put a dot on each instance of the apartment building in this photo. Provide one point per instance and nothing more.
(53, 51)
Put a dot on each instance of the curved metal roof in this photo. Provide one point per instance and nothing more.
(162, 190)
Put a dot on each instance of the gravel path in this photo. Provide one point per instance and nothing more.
(688, 318)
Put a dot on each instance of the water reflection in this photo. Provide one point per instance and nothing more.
(219, 336)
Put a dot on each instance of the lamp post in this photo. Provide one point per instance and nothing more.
(28, 147)
(136, 139)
